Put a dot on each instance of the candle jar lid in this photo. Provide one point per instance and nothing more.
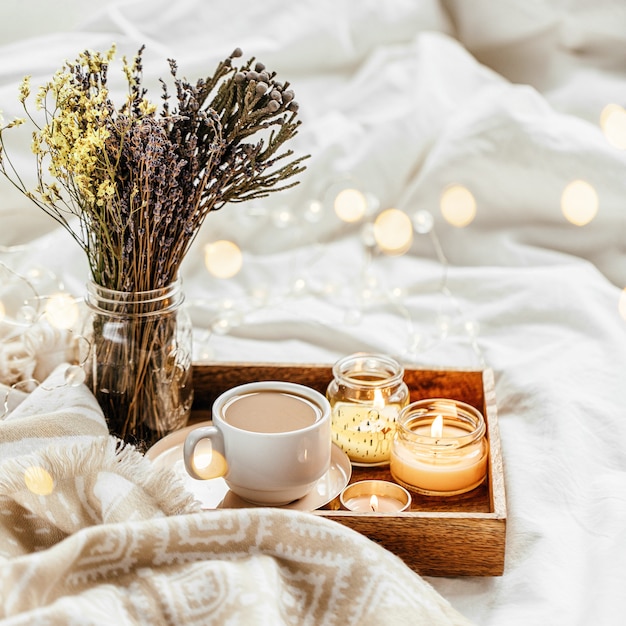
(440, 447)
(366, 395)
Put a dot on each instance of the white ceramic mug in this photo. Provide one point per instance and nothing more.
(270, 440)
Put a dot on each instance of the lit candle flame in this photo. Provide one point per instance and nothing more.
(436, 428)
(374, 502)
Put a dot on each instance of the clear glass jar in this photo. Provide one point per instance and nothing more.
(366, 396)
(139, 360)
(440, 447)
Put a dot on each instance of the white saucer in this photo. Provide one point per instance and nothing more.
(215, 494)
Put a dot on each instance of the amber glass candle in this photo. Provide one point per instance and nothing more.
(440, 447)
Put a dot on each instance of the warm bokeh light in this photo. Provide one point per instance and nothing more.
(34, 274)
(606, 113)
(74, 375)
(314, 211)
(38, 481)
(223, 259)
(202, 454)
(393, 231)
(458, 206)
(423, 222)
(207, 462)
(3, 311)
(61, 310)
(579, 202)
(613, 124)
(283, 217)
(622, 304)
(350, 205)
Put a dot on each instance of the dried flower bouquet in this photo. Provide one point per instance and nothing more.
(133, 184)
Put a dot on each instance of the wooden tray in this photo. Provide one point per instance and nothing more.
(439, 536)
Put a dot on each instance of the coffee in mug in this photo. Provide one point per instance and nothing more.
(270, 411)
(270, 440)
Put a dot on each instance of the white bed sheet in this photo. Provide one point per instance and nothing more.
(407, 98)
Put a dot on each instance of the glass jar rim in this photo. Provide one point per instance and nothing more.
(346, 368)
(423, 410)
(114, 302)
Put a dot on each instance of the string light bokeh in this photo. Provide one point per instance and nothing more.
(37, 312)
(38, 480)
(579, 202)
(458, 206)
(613, 124)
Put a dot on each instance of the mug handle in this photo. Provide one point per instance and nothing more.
(212, 462)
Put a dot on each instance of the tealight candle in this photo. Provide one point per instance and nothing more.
(366, 396)
(440, 447)
(375, 496)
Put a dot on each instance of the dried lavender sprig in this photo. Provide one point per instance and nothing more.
(147, 182)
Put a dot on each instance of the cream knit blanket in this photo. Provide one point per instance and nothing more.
(90, 533)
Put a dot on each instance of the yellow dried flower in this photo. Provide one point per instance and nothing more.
(128, 70)
(146, 107)
(24, 89)
(35, 145)
(139, 182)
(106, 191)
(54, 189)
(18, 121)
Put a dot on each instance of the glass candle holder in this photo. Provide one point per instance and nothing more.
(440, 447)
(366, 396)
(375, 496)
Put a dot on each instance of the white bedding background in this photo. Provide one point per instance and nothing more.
(408, 98)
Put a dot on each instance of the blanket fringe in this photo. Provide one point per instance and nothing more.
(101, 454)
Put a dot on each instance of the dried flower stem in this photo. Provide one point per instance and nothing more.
(140, 181)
